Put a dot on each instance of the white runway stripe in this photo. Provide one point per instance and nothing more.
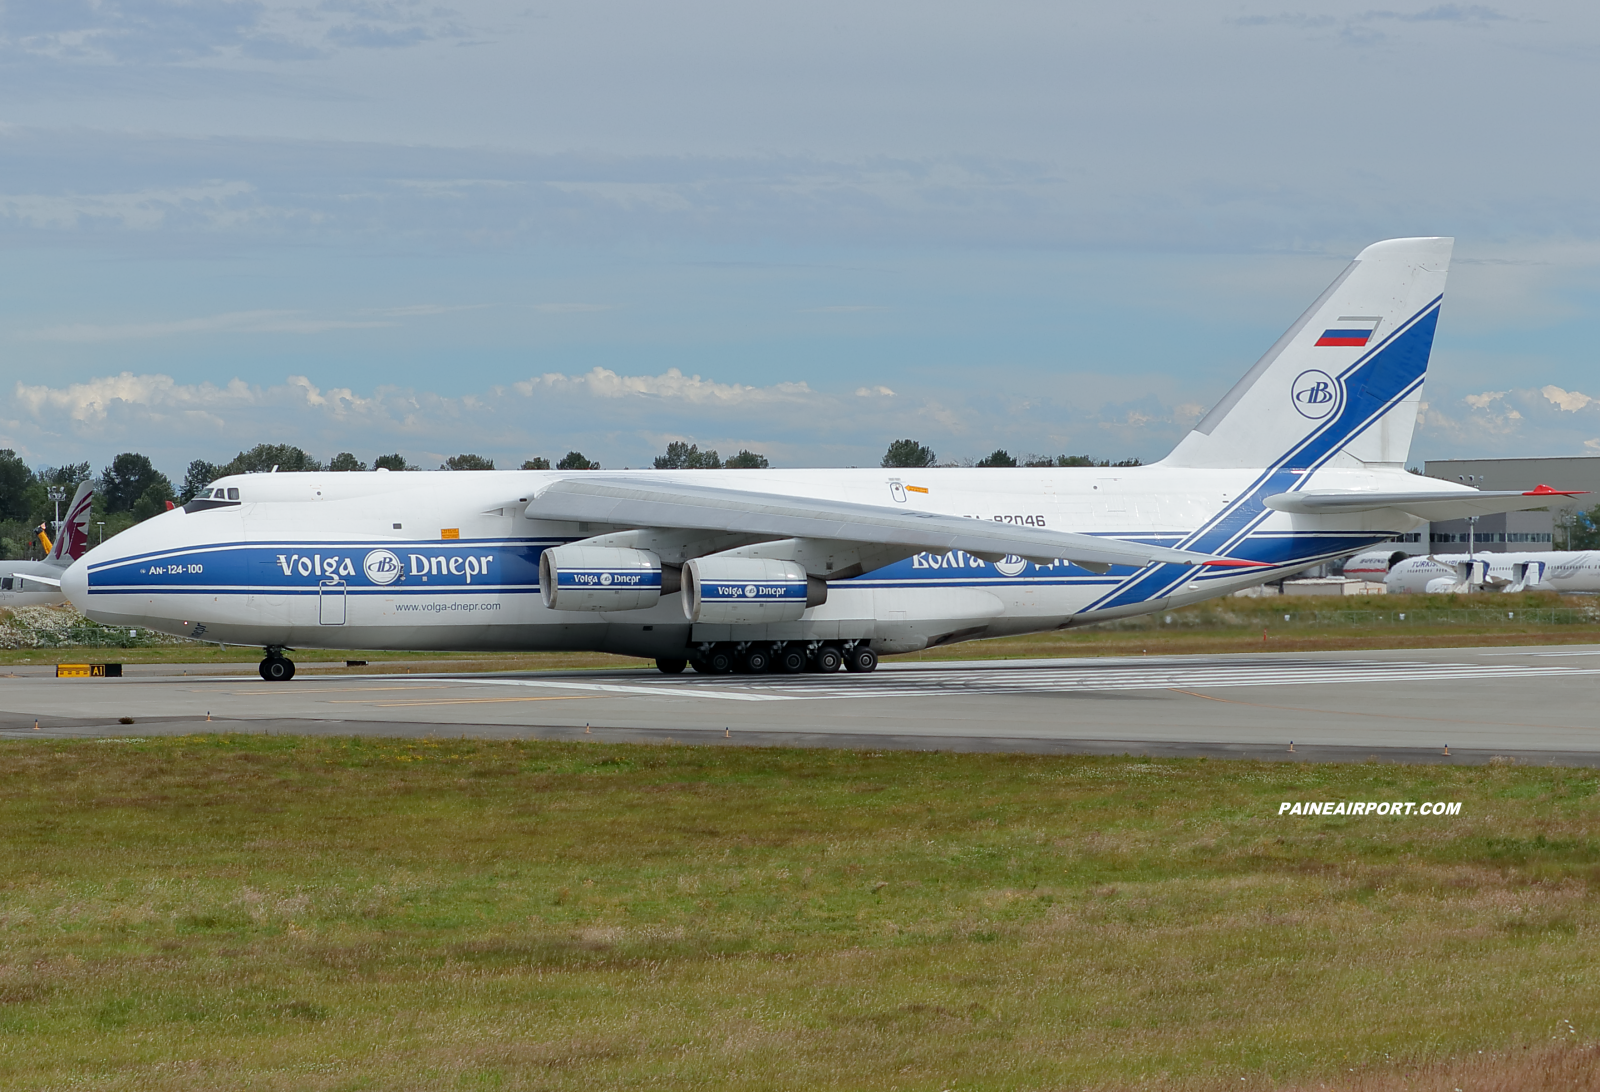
(1115, 675)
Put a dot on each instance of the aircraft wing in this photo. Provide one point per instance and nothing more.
(643, 502)
(50, 581)
(1435, 504)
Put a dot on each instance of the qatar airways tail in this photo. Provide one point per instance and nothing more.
(1303, 460)
(38, 583)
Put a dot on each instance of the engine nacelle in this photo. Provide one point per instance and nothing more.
(579, 577)
(748, 590)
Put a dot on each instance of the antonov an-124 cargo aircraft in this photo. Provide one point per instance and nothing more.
(810, 570)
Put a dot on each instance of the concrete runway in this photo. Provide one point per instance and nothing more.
(1535, 704)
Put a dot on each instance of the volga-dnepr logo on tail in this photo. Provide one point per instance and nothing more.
(1315, 394)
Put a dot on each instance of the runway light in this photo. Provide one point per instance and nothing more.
(1447, 748)
(725, 734)
(585, 727)
(1291, 746)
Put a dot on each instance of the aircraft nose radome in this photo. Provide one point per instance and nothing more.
(75, 584)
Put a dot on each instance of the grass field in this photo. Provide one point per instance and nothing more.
(280, 913)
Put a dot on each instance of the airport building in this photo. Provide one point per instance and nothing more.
(1513, 531)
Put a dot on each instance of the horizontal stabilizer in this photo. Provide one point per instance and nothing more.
(642, 502)
(48, 581)
(1430, 504)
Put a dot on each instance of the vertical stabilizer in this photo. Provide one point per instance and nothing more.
(72, 537)
(1342, 387)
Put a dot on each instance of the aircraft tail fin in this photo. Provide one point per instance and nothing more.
(1343, 385)
(72, 538)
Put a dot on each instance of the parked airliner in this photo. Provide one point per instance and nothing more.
(1548, 570)
(1303, 460)
(38, 583)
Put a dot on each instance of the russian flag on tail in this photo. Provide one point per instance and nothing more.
(1353, 331)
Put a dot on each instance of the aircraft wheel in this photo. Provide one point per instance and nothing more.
(277, 669)
(670, 667)
(791, 660)
(757, 660)
(719, 661)
(861, 659)
(829, 659)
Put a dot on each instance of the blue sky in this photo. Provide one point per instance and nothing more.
(525, 228)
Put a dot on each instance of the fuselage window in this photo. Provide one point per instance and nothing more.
(7, 584)
(233, 494)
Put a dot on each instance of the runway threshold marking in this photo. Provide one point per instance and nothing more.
(276, 690)
(458, 701)
(1066, 680)
(1381, 716)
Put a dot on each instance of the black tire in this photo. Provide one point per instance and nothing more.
(829, 658)
(861, 659)
(719, 661)
(277, 669)
(757, 660)
(700, 667)
(790, 661)
(670, 667)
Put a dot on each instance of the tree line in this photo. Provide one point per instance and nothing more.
(131, 489)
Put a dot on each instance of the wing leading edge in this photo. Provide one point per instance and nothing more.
(641, 502)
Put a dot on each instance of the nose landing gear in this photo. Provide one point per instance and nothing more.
(277, 667)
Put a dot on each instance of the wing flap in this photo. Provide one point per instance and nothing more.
(641, 502)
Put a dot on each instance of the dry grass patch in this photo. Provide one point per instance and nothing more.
(266, 913)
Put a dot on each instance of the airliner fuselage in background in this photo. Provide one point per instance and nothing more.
(1302, 461)
(38, 583)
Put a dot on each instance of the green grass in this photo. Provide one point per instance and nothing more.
(266, 913)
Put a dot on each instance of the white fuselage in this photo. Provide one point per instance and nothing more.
(16, 590)
(1563, 571)
(301, 561)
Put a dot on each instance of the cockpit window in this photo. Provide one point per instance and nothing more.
(213, 497)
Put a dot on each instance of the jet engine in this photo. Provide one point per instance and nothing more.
(744, 590)
(579, 577)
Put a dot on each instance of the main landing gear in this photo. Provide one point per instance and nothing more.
(277, 667)
(785, 657)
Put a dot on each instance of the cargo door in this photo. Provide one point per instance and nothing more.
(331, 601)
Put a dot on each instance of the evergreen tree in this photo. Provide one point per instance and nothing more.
(538, 462)
(682, 456)
(15, 479)
(908, 454)
(346, 461)
(574, 460)
(396, 461)
(747, 460)
(998, 458)
(129, 478)
(199, 475)
(467, 462)
(262, 458)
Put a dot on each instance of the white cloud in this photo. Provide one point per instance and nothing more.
(1570, 401)
(671, 385)
(236, 322)
(874, 392)
(216, 203)
(618, 418)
